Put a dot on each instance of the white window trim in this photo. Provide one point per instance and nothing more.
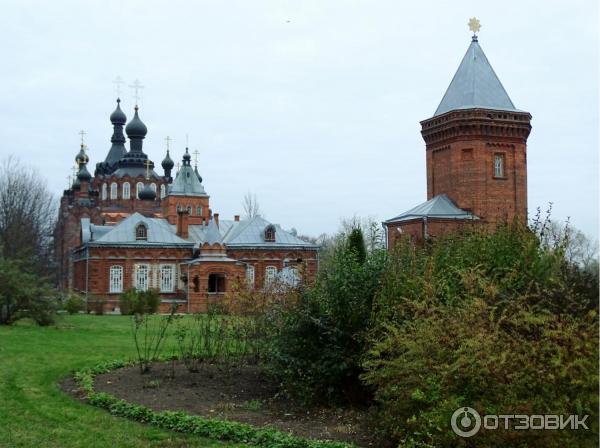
(104, 192)
(115, 279)
(250, 277)
(138, 189)
(167, 285)
(141, 282)
(126, 190)
(270, 274)
(114, 188)
(163, 191)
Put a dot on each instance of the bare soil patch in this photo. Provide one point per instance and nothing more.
(240, 393)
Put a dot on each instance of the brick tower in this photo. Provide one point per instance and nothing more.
(476, 145)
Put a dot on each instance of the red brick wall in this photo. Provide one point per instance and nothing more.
(460, 150)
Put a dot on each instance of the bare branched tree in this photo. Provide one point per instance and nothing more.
(250, 205)
(27, 217)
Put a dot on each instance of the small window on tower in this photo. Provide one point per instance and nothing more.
(113, 190)
(163, 191)
(141, 232)
(126, 190)
(499, 165)
(199, 210)
(138, 189)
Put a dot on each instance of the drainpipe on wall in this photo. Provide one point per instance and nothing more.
(187, 288)
(425, 228)
(87, 272)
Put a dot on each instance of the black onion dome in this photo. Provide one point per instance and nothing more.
(81, 156)
(136, 127)
(147, 193)
(186, 157)
(167, 162)
(83, 174)
(118, 116)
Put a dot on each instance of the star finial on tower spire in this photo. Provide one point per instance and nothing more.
(475, 26)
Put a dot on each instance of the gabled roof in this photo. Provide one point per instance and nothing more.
(159, 233)
(251, 233)
(186, 183)
(475, 85)
(439, 206)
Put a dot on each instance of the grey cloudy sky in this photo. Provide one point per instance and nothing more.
(313, 105)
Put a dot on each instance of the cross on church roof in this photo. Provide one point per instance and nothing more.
(196, 154)
(82, 133)
(168, 140)
(117, 82)
(137, 87)
(147, 163)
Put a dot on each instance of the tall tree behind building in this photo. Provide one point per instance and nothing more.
(27, 217)
(250, 205)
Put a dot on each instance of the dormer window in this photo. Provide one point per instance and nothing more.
(270, 234)
(141, 232)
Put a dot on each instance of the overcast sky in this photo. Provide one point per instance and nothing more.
(312, 105)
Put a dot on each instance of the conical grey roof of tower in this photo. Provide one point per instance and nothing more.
(475, 85)
(186, 183)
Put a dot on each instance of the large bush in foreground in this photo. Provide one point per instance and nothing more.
(496, 321)
(318, 342)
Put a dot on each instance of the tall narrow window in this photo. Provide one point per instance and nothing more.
(167, 278)
(138, 189)
(141, 232)
(126, 190)
(250, 275)
(141, 277)
(104, 192)
(189, 210)
(113, 190)
(115, 280)
(163, 191)
(153, 186)
(199, 210)
(499, 165)
(270, 274)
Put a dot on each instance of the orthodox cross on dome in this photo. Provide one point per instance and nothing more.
(474, 25)
(70, 180)
(83, 134)
(137, 87)
(147, 163)
(75, 169)
(196, 154)
(117, 82)
(178, 166)
(168, 140)
(187, 140)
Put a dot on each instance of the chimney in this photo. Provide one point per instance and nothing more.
(216, 216)
(236, 218)
(182, 224)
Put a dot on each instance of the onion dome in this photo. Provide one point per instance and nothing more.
(167, 162)
(83, 174)
(118, 116)
(136, 129)
(147, 193)
(76, 184)
(81, 156)
(186, 158)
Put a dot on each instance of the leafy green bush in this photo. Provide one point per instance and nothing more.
(133, 301)
(24, 295)
(317, 342)
(500, 322)
(74, 303)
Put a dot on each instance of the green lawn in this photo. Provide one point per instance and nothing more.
(34, 412)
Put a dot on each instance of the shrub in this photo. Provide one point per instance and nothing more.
(24, 295)
(149, 333)
(74, 303)
(498, 321)
(96, 305)
(133, 301)
(317, 342)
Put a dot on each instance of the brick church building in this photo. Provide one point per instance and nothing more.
(476, 156)
(128, 226)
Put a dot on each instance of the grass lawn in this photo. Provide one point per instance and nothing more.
(34, 412)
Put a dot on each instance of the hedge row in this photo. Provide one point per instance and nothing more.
(190, 424)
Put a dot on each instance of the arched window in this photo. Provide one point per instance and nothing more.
(189, 210)
(499, 165)
(115, 280)
(199, 210)
(141, 232)
(141, 277)
(113, 190)
(270, 274)
(250, 275)
(126, 190)
(153, 186)
(104, 192)
(163, 191)
(270, 234)
(178, 207)
(138, 189)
